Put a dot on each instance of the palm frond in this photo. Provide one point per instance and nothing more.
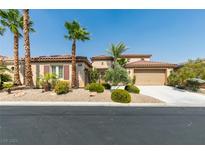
(12, 19)
(2, 30)
(66, 37)
(117, 50)
(76, 32)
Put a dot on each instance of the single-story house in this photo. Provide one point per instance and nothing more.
(58, 64)
(147, 72)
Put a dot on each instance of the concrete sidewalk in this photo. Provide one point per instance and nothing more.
(105, 104)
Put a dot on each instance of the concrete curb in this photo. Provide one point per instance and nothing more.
(105, 104)
(38, 103)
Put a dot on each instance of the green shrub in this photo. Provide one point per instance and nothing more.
(117, 74)
(7, 85)
(121, 96)
(4, 78)
(48, 81)
(192, 85)
(87, 87)
(133, 80)
(189, 70)
(173, 79)
(106, 85)
(132, 89)
(94, 75)
(62, 87)
(96, 87)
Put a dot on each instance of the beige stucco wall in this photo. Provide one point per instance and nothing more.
(79, 66)
(137, 59)
(130, 72)
(108, 63)
(10, 66)
(102, 64)
(169, 71)
(81, 74)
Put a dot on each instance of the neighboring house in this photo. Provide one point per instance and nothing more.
(147, 72)
(58, 64)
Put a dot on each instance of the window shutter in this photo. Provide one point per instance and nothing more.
(66, 72)
(46, 69)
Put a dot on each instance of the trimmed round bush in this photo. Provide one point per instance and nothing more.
(132, 89)
(87, 87)
(62, 87)
(121, 96)
(106, 85)
(96, 87)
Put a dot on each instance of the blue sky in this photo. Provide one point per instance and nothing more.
(169, 35)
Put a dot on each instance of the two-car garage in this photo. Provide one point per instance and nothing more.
(150, 76)
(150, 72)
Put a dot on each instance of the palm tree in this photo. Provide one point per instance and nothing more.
(27, 26)
(75, 33)
(117, 50)
(13, 20)
(2, 29)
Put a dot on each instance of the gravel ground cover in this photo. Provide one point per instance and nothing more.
(77, 95)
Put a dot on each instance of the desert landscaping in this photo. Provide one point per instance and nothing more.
(75, 96)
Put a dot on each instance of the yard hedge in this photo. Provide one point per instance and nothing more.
(121, 96)
(106, 85)
(96, 87)
(132, 89)
(62, 87)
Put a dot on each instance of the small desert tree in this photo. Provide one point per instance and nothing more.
(191, 69)
(94, 75)
(117, 75)
(116, 51)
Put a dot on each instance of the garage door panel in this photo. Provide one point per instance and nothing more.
(150, 76)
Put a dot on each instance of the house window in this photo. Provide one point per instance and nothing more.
(102, 63)
(58, 71)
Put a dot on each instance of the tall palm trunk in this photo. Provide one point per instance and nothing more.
(17, 80)
(28, 70)
(74, 79)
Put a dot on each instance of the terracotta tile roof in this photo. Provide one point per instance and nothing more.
(54, 58)
(149, 64)
(60, 58)
(136, 55)
(104, 57)
(101, 57)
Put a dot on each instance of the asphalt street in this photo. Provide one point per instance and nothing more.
(102, 125)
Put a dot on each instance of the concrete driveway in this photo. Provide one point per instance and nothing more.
(173, 96)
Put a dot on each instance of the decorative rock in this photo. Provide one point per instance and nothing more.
(117, 87)
(92, 94)
(19, 94)
(53, 94)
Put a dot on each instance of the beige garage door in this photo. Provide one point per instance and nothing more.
(150, 76)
